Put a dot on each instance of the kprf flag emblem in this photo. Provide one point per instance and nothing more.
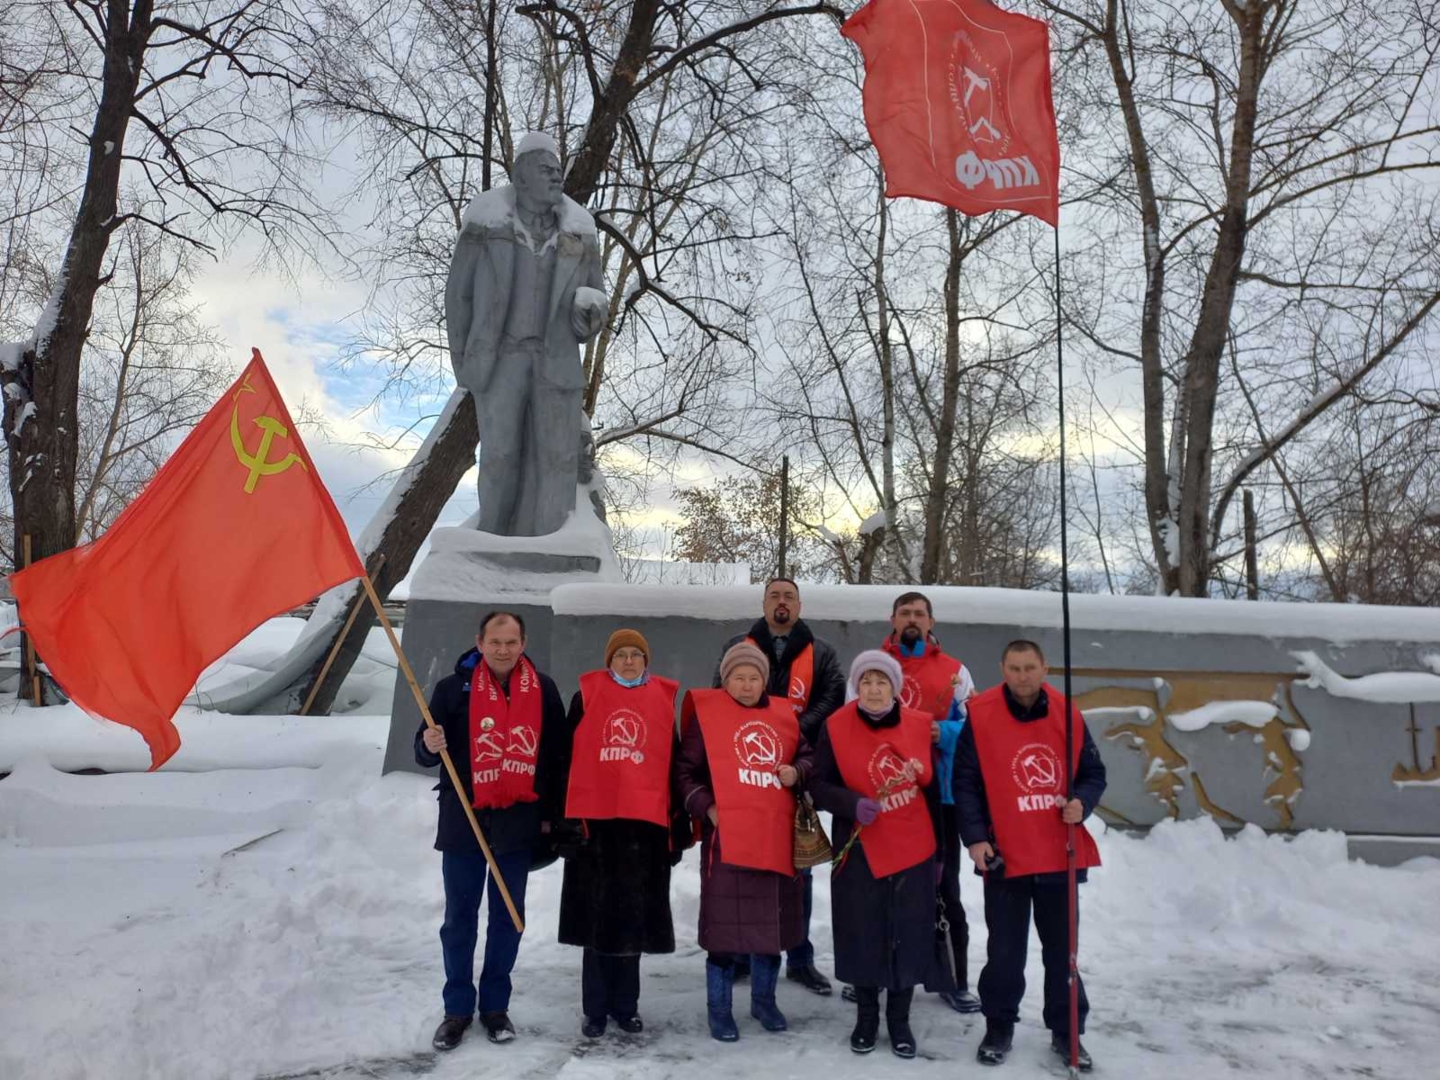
(235, 528)
(957, 101)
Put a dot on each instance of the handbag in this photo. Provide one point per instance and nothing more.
(812, 846)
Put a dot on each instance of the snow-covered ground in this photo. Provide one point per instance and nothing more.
(279, 920)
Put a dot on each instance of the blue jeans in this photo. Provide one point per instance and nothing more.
(803, 955)
(465, 874)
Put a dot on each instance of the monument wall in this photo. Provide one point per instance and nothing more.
(1287, 716)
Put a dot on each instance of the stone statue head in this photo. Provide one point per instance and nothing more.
(538, 179)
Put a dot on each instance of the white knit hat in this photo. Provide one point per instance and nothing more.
(874, 660)
(537, 140)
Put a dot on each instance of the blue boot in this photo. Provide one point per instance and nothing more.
(764, 975)
(719, 987)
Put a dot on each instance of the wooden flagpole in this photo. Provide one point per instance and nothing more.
(335, 649)
(444, 754)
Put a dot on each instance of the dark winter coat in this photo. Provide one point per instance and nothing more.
(741, 910)
(828, 692)
(515, 828)
(616, 894)
(972, 808)
(884, 929)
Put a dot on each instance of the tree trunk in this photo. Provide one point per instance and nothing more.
(1212, 329)
(42, 393)
(937, 498)
(1160, 511)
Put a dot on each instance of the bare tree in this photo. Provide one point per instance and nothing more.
(190, 100)
(1249, 151)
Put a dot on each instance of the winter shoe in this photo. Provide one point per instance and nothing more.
(810, 979)
(867, 1019)
(719, 990)
(498, 1028)
(897, 1022)
(631, 1025)
(999, 1036)
(1060, 1043)
(593, 1027)
(764, 976)
(450, 1032)
(847, 993)
(962, 1001)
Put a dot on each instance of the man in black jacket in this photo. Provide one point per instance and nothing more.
(805, 670)
(512, 826)
(1024, 744)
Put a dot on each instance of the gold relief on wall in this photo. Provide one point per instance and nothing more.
(1192, 700)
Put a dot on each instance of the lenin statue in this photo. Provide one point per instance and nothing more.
(522, 297)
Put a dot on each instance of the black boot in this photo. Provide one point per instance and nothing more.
(999, 1036)
(1060, 1044)
(498, 1028)
(810, 978)
(450, 1032)
(897, 1022)
(867, 1019)
(630, 1023)
(593, 1027)
(962, 1001)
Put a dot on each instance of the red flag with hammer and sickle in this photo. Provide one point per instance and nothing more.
(235, 528)
(957, 100)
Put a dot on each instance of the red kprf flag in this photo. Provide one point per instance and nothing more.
(234, 529)
(957, 100)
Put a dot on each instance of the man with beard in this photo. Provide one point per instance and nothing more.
(806, 671)
(938, 685)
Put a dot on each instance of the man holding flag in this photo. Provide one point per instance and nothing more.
(1014, 815)
(508, 722)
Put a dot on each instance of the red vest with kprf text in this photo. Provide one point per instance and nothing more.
(1022, 763)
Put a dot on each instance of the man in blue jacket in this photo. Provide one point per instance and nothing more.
(488, 713)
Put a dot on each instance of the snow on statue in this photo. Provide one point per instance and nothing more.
(523, 295)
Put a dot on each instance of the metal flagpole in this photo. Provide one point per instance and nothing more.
(1072, 894)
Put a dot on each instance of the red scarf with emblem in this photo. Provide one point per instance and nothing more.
(504, 736)
(895, 761)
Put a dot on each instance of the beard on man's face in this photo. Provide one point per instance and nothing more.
(781, 616)
(911, 634)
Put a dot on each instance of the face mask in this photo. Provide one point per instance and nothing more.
(630, 682)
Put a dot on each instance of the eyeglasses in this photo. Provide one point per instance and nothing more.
(626, 655)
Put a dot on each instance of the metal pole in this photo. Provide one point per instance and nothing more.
(784, 512)
(1072, 888)
(489, 95)
(1252, 566)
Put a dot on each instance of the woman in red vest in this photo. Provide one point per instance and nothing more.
(741, 756)
(874, 772)
(615, 901)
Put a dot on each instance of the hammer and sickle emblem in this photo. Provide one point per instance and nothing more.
(258, 462)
